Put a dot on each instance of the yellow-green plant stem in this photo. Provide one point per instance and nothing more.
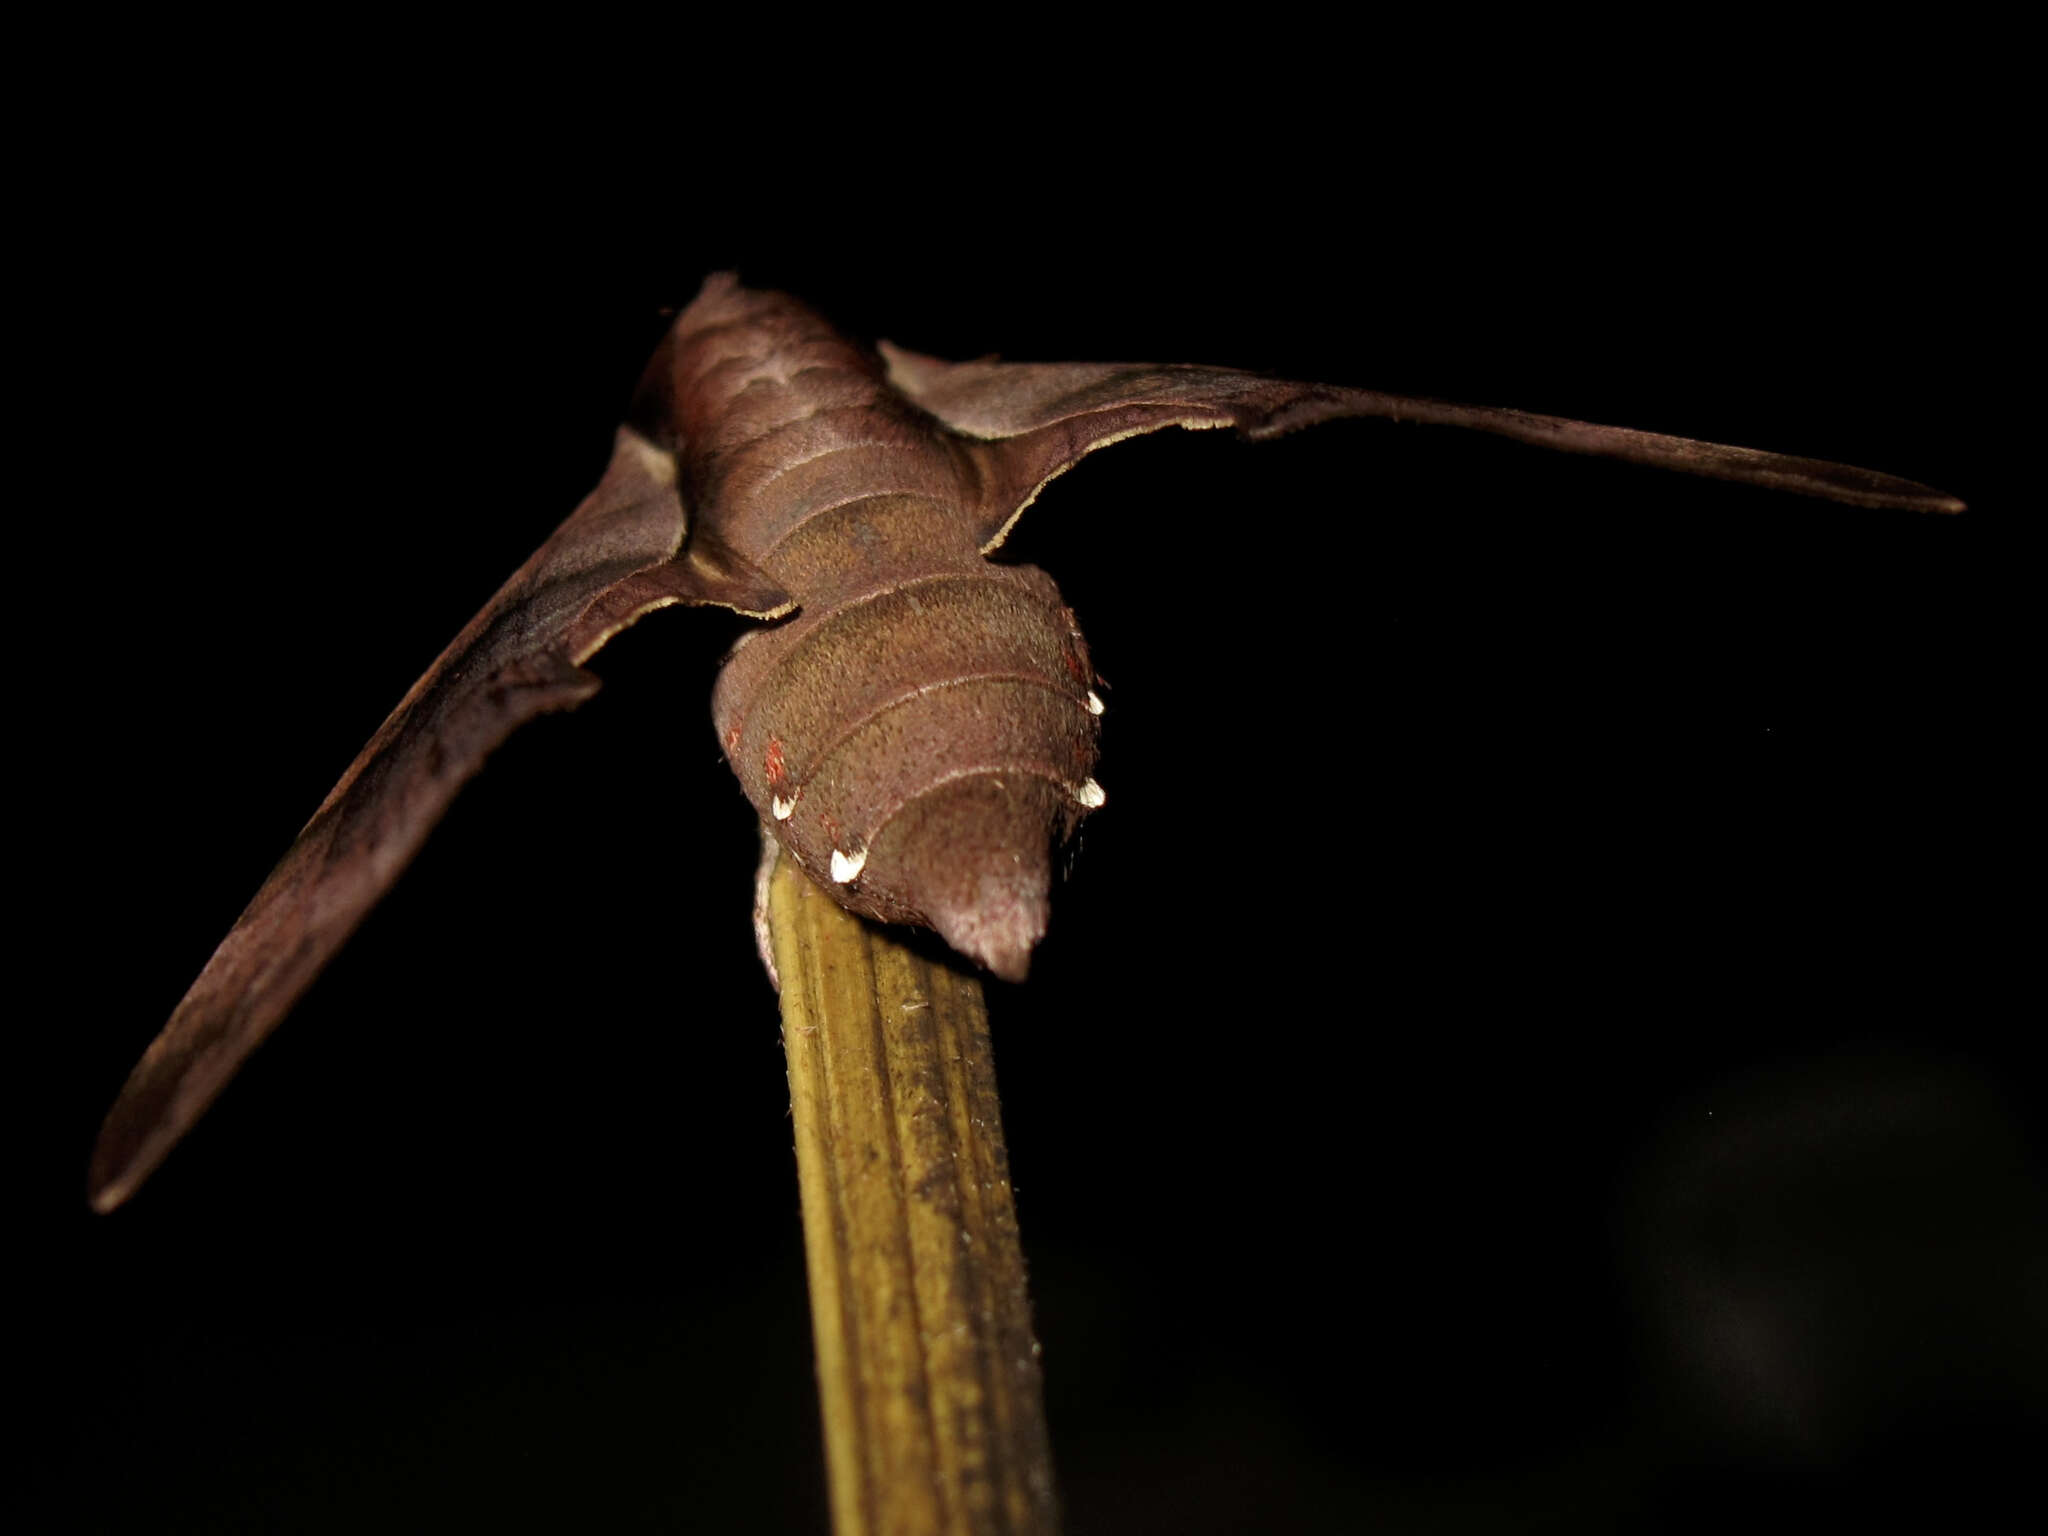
(927, 1369)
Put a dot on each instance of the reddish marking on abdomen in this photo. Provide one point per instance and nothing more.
(778, 773)
(732, 740)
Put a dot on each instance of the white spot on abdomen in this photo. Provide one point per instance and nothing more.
(1090, 794)
(781, 807)
(844, 869)
(1094, 702)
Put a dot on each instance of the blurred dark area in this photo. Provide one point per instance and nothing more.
(1537, 1038)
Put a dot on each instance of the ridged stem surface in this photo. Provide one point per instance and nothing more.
(927, 1370)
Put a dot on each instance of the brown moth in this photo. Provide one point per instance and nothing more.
(918, 727)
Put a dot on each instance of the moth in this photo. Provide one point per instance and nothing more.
(917, 726)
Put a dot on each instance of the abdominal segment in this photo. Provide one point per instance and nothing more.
(922, 747)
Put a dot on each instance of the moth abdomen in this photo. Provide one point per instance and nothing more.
(923, 744)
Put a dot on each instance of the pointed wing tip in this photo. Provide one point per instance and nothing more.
(1893, 491)
(1911, 496)
(109, 1183)
(120, 1162)
(135, 1138)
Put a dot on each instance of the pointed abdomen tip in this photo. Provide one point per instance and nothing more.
(1000, 932)
(972, 860)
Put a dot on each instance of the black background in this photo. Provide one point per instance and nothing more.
(1527, 1042)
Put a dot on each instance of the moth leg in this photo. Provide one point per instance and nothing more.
(764, 872)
